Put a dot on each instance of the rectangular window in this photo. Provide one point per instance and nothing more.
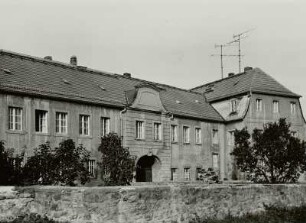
(186, 132)
(275, 107)
(173, 174)
(231, 138)
(258, 105)
(84, 125)
(233, 105)
(187, 174)
(104, 126)
(157, 131)
(139, 130)
(198, 137)
(41, 121)
(15, 118)
(292, 107)
(61, 122)
(215, 161)
(215, 136)
(173, 133)
(91, 167)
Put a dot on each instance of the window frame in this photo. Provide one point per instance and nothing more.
(218, 161)
(187, 170)
(91, 167)
(259, 104)
(158, 136)
(184, 135)
(198, 137)
(173, 132)
(215, 140)
(173, 172)
(142, 135)
(60, 126)
(12, 118)
(83, 123)
(275, 102)
(40, 120)
(292, 108)
(104, 120)
(233, 105)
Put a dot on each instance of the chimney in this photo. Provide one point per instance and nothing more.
(231, 74)
(127, 75)
(48, 58)
(73, 60)
(247, 69)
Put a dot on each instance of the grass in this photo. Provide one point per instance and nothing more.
(271, 215)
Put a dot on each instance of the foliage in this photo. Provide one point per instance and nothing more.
(116, 162)
(63, 165)
(10, 166)
(272, 155)
(31, 218)
(208, 176)
(272, 214)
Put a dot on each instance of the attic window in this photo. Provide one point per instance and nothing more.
(66, 81)
(102, 88)
(178, 102)
(7, 71)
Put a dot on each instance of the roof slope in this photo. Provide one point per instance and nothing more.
(254, 80)
(44, 78)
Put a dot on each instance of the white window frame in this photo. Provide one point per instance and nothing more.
(198, 135)
(259, 104)
(174, 133)
(186, 134)
(233, 105)
(292, 108)
(105, 126)
(91, 167)
(187, 174)
(275, 106)
(174, 174)
(15, 118)
(84, 125)
(215, 161)
(41, 116)
(157, 131)
(140, 129)
(61, 122)
(215, 136)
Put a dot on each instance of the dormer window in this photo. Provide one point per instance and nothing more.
(233, 106)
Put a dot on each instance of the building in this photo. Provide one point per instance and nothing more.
(172, 132)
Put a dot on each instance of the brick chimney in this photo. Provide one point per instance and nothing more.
(48, 58)
(127, 75)
(73, 60)
(231, 74)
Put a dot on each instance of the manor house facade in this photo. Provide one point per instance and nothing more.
(172, 132)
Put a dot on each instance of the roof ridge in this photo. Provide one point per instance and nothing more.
(89, 70)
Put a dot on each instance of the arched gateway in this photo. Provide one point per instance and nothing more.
(145, 167)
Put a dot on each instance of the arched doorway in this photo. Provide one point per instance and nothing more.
(144, 168)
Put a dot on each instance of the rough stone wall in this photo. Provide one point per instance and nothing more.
(155, 203)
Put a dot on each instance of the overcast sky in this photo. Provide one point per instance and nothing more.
(166, 41)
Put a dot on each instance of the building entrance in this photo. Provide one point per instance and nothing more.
(144, 168)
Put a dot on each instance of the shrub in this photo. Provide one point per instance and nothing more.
(208, 176)
(31, 218)
(116, 161)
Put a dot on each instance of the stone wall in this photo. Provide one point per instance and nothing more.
(155, 203)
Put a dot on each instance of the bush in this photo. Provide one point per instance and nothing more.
(31, 218)
(116, 161)
(208, 176)
(63, 165)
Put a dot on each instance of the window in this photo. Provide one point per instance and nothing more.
(139, 130)
(233, 105)
(104, 126)
(186, 173)
(173, 174)
(258, 105)
(215, 161)
(215, 137)
(84, 125)
(157, 131)
(199, 174)
(61, 122)
(198, 138)
(231, 138)
(173, 133)
(91, 167)
(292, 107)
(186, 132)
(275, 107)
(41, 121)
(15, 118)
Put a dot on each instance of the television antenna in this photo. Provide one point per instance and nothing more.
(237, 39)
(221, 55)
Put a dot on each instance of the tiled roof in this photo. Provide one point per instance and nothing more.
(44, 78)
(254, 80)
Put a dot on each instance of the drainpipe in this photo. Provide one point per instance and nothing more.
(121, 124)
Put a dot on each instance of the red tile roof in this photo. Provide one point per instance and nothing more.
(29, 75)
(254, 80)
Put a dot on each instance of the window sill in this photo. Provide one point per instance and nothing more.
(19, 132)
(61, 135)
(158, 140)
(199, 144)
(139, 139)
(174, 142)
(186, 143)
(85, 136)
(42, 133)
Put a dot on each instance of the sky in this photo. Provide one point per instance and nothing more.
(165, 41)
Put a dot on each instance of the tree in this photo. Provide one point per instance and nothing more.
(116, 162)
(272, 155)
(62, 165)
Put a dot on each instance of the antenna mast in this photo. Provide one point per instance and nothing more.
(221, 55)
